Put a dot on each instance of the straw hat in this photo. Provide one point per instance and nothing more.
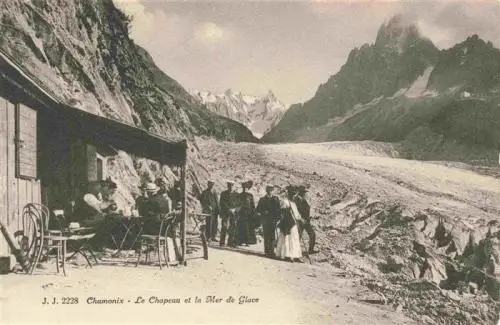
(151, 187)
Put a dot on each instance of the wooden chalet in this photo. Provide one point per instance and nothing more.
(49, 151)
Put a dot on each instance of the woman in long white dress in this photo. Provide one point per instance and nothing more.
(288, 245)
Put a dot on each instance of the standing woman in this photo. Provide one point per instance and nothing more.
(288, 246)
(246, 232)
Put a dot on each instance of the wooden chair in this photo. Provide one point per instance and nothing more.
(158, 242)
(35, 237)
(38, 240)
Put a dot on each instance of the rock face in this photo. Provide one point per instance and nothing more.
(402, 89)
(259, 114)
(81, 52)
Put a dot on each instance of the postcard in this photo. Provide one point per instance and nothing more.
(249, 162)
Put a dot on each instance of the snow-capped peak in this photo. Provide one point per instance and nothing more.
(258, 113)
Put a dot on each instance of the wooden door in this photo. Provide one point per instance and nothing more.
(18, 166)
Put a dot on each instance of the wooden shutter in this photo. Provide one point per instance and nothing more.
(26, 142)
(91, 163)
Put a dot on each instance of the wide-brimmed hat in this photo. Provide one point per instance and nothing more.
(270, 187)
(211, 181)
(228, 181)
(151, 187)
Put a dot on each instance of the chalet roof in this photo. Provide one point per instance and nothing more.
(86, 125)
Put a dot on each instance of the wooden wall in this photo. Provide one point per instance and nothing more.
(14, 192)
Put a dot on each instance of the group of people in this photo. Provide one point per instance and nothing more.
(283, 220)
(97, 209)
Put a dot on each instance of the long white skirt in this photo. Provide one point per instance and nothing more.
(289, 245)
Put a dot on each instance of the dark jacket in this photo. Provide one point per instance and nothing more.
(141, 204)
(209, 203)
(303, 207)
(269, 209)
(247, 204)
(287, 221)
(176, 196)
(83, 211)
(228, 200)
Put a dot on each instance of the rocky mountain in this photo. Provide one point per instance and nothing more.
(259, 114)
(82, 53)
(402, 89)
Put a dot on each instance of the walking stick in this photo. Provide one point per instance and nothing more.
(302, 244)
(307, 252)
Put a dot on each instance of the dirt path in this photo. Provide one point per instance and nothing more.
(287, 294)
(350, 184)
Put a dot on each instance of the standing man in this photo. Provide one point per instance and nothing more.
(305, 212)
(210, 206)
(268, 209)
(228, 214)
(176, 195)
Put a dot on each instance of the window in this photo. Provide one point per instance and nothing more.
(101, 167)
(26, 142)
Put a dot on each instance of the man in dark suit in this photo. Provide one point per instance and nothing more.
(228, 214)
(268, 209)
(305, 212)
(210, 206)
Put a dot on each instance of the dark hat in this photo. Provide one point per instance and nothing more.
(109, 183)
(270, 187)
(302, 189)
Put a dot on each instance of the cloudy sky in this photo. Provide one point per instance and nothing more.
(289, 47)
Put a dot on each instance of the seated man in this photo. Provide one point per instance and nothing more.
(154, 208)
(141, 202)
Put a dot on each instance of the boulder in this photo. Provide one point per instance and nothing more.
(394, 263)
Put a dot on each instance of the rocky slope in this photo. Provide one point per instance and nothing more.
(402, 89)
(422, 237)
(259, 114)
(81, 52)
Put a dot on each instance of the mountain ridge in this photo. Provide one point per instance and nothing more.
(400, 89)
(258, 113)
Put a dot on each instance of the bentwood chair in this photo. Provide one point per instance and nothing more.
(157, 242)
(36, 239)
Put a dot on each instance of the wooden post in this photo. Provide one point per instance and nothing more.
(184, 207)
